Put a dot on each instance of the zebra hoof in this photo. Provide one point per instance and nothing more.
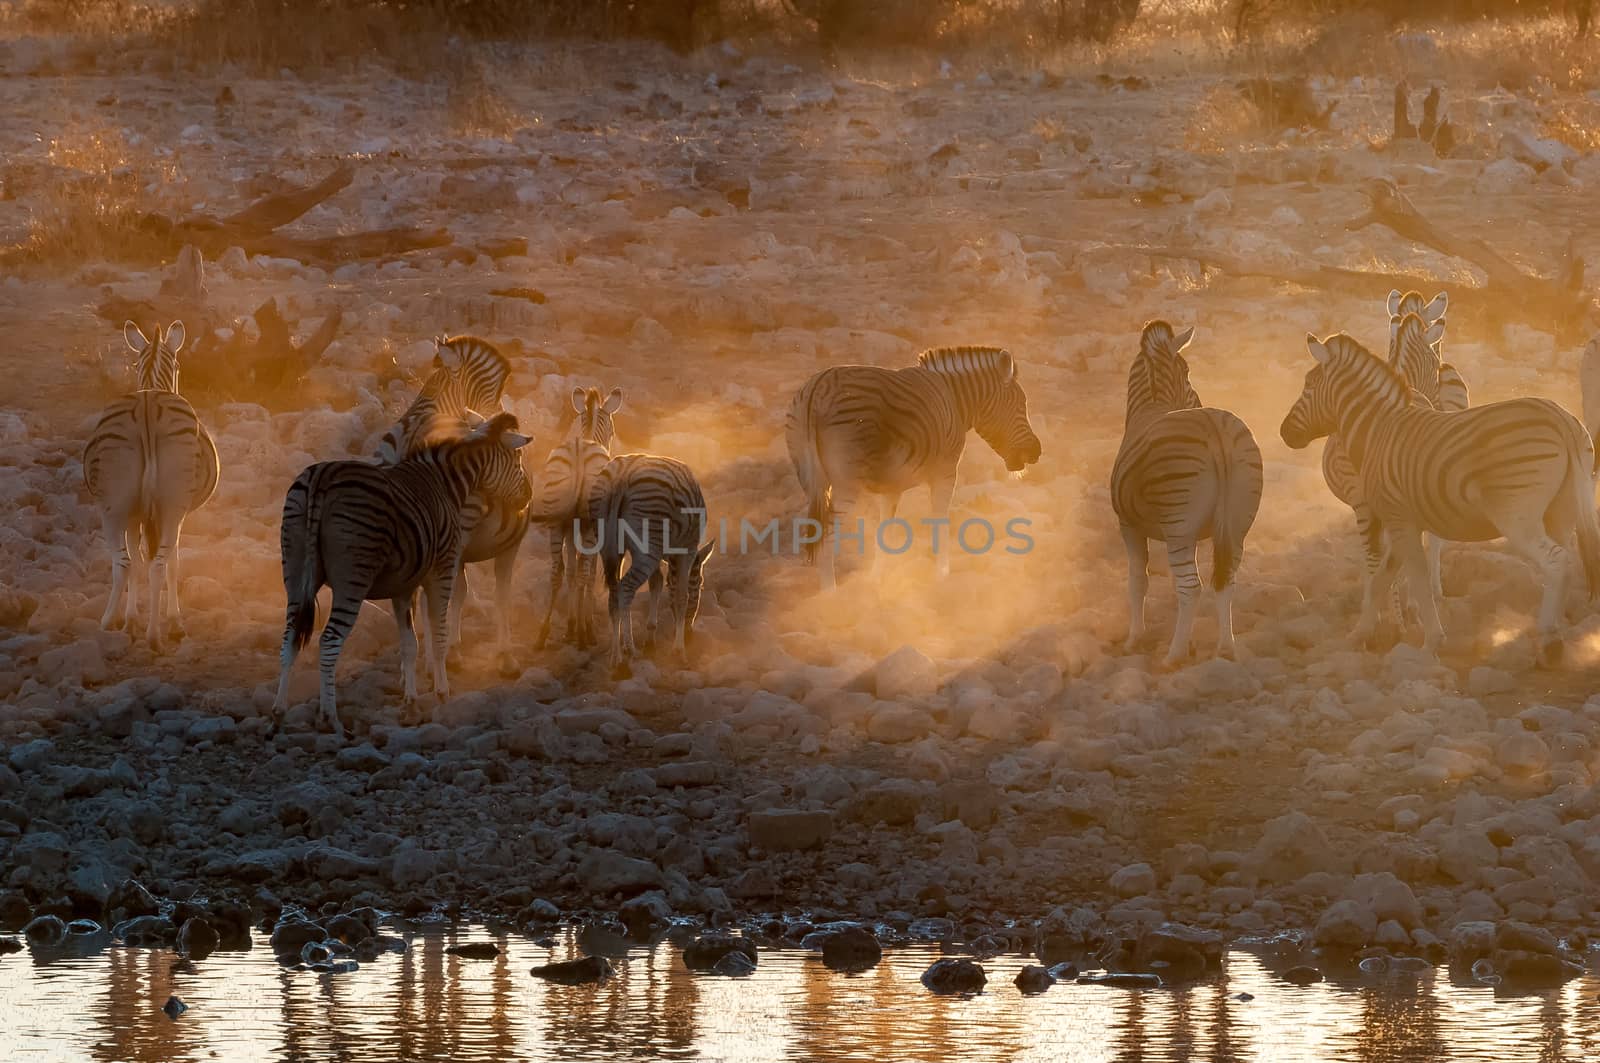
(506, 665)
(1551, 653)
(620, 670)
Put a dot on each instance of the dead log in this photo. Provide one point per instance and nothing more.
(1557, 304)
(1364, 283)
(333, 250)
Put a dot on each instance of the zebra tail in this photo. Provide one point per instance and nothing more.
(1581, 478)
(300, 577)
(149, 485)
(813, 477)
(1238, 495)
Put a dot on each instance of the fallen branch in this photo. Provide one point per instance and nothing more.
(1559, 304)
(1355, 281)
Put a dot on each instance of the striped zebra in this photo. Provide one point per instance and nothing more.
(563, 493)
(860, 429)
(148, 464)
(649, 508)
(1519, 469)
(1184, 472)
(1416, 356)
(469, 376)
(375, 532)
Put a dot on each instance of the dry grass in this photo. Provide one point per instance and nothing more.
(475, 103)
(90, 199)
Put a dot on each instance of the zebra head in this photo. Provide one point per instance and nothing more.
(1158, 380)
(1411, 303)
(156, 360)
(989, 396)
(593, 423)
(1345, 372)
(1414, 350)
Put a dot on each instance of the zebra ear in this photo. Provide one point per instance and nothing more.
(578, 399)
(173, 340)
(1182, 339)
(613, 401)
(1318, 349)
(133, 337)
(1008, 367)
(1436, 307)
(1435, 333)
(474, 420)
(1394, 302)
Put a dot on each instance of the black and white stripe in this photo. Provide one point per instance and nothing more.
(1184, 473)
(468, 374)
(562, 499)
(650, 509)
(376, 532)
(860, 429)
(468, 378)
(1519, 469)
(1415, 353)
(148, 464)
(1589, 387)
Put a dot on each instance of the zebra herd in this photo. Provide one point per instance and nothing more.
(448, 487)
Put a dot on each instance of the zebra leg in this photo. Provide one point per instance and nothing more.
(341, 618)
(939, 493)
(678, 586)
(175, 625)
(842, 506)
(614, 610)
(1186, 576)
(408, 644)
(286, 658)
(504, 566)
(1138, 548)
(622, 647)
(117, 532)
(1406, 543)
(558, 557)
(439, 586)
(457, 601)
(159, 600)
(656, 591)
(581, 595)
(1435, 556)
(1552, 560)
(1378, 587)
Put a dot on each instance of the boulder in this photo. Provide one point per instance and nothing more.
(907, 672)
(789, 830)
(1032, 980)
(705, 951)
(1346, 924)
(586, 971)
(853, 948)
(606, 871)
(954, 975)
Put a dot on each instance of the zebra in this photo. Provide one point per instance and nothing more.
(651, 509)
(1435, 381)
(470, 375)
(568, 471)
(1519, 469)
(148, 464)
(1184, 472)
(855, 429)
(374, 532)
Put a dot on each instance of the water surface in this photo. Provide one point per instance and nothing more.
(427, 1005)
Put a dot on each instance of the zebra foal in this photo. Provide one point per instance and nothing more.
(1519, 469)
(860, 429)
(1184, 472)
(650, 509)
(148, 464)
(563, 496)
(374, 532)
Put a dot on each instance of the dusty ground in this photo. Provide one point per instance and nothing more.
(706, 234)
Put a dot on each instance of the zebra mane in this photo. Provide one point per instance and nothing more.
(1157, 338)
(1348, 350)
(968, 361)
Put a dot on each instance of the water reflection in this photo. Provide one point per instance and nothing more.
(428, 1004)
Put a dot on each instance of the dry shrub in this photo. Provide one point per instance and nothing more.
(475, 102)
(1573, 124)
(92, 199)
(1221, 120)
